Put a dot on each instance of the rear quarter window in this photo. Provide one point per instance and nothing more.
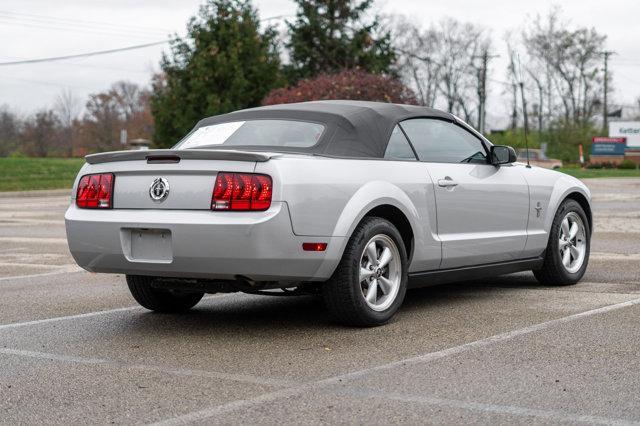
(398, 147)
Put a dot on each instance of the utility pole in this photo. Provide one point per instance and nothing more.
(605, 106)
(524, 108)
(514, 111)
(482, 88)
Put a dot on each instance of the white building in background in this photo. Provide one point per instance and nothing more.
(626, 129)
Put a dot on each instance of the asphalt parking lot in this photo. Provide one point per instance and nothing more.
(74, 347)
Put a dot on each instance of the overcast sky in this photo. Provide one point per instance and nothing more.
(43, 28)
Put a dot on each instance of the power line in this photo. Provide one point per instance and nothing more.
(76, 25)
(626, 77)
(104, 52)
(83, 55)
(85, 65)
(624, 61)
(273, 18)
(45, 83)
(98, 31)
(66, 21)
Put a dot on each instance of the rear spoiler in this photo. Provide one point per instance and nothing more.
(175, 155)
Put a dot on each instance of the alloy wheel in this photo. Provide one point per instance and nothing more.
(572, 242)
(380, 272)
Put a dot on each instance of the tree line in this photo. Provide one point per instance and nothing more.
(70, 129)
(338, 49)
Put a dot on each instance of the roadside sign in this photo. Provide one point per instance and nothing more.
(608, 146)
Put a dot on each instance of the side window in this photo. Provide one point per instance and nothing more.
(439, 141)
(398, 147)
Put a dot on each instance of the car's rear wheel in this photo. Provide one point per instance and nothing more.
(370, 282)
(160, 299)
(567, 253)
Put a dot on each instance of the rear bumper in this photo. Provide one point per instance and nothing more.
(201, 244)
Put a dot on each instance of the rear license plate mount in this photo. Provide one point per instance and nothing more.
(150, 245)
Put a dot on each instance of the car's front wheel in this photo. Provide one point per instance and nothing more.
(160, 299)
(567, 253)
(370, 282)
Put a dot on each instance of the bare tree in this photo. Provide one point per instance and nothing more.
(67, 107)
(459, 46)
(416, 49)
(539, 106)
(102, 121)
(571, 59)
(127, 95)
(41, 133)
(438, 63)
(124, 106)
(10, 127)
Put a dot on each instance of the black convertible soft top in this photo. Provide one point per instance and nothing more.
(352, 128)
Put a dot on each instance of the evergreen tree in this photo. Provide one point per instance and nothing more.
(330, 35)
(224, 63)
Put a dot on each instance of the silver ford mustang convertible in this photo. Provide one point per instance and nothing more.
(355, 201)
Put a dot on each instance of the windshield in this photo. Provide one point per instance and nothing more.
(269, 133)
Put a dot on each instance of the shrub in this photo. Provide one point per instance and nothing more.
(353, 84)
(602, 165)
(17, 154)
(562, 140)
(627, 165)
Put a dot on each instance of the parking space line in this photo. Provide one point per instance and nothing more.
(16, 249)
(69, 270)
(420, 359)
(68, 317)
(567, 289)
(38, 265)
(614, 256)
(13, 221)
(35, 240)
(512, 410)
(87, 315)
(243, 378)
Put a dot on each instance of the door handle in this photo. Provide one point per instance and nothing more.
(447, 182)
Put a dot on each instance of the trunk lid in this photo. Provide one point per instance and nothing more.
(169, 179)
(176, 155)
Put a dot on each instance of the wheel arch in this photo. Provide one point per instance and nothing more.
(584, 203)
(397, 219)
(565, 187)
(388, 201)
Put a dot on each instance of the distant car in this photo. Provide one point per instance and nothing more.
(356, 201)
(537, 158)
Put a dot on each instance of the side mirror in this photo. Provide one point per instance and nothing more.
(502, 154)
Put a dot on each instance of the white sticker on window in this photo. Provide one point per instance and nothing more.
(212, 135)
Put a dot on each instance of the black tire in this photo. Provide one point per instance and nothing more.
(159, 299)
(343, 294)
(553, 271)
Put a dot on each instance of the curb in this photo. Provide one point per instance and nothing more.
(36, 193)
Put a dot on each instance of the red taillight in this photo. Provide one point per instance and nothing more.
(241, 191)
(95, 191)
